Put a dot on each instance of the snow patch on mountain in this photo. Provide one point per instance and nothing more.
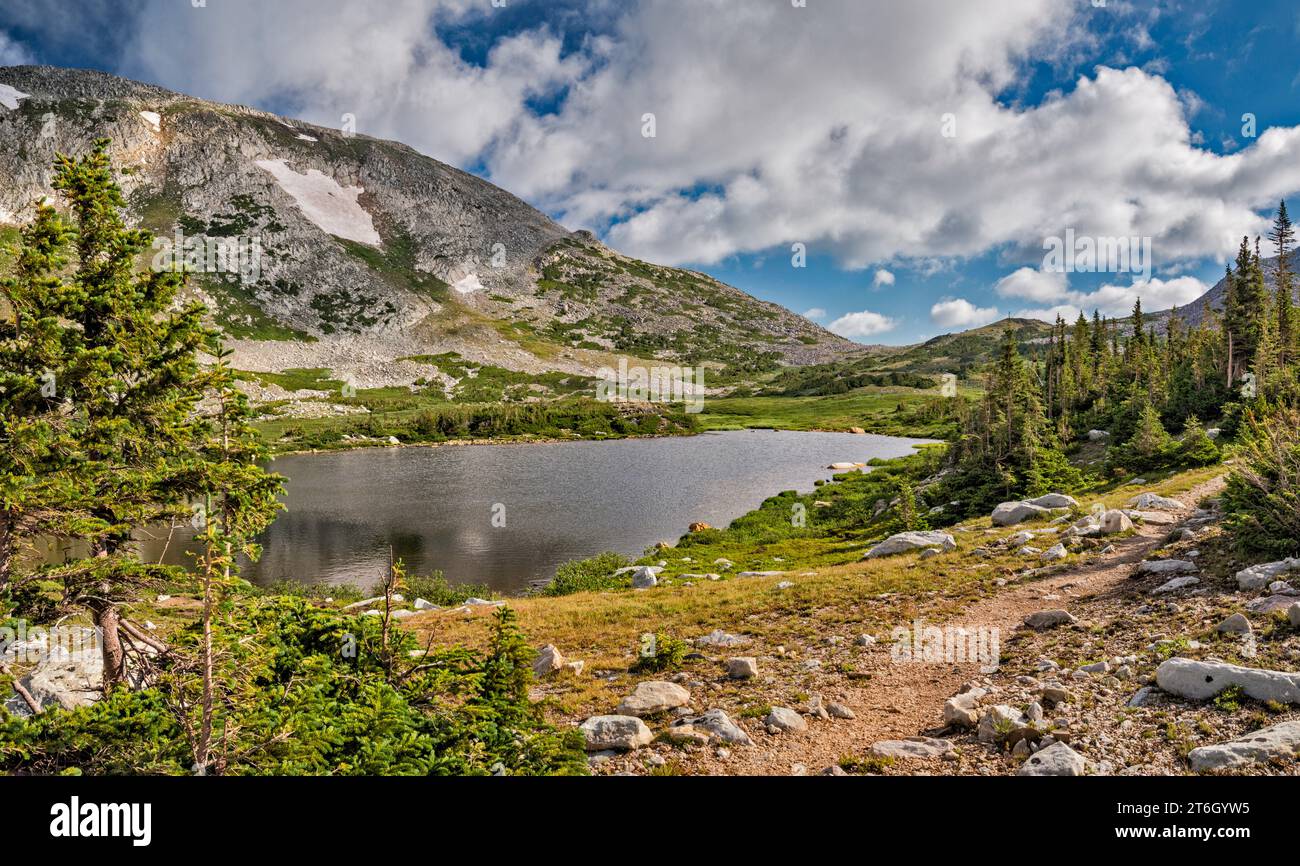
(332, 207)
(468, 285)
(10, 97)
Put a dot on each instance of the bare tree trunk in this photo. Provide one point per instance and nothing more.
(107, 620)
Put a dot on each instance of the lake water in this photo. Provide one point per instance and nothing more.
(436, 506)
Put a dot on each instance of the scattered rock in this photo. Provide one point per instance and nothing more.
(1046, 619)
(1235, 624)
(1176, 584)
(422, 604)
(1054, 500)
(549, 661)
(1055, 553)
(1270, 603)
(1154, 502)
(719, 638)
(1293, 614)
(1259, 576)
(1001, 723)
(962, 710)
(1166, 566)
(839, 711)
(1097, 435)
(717, 724)
(644, 578)
(742, 668)
(907, 541)
(912, 747)
(650, 698)
(1278, 742)
(1114, 522)
(1057, 759)
(620, 733)
(785, 720)
(1011, 513)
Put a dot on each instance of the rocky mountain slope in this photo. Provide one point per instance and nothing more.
(369, 251)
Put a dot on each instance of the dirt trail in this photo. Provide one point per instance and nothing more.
(906, 700)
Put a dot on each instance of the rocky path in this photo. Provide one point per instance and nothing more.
(895, 700)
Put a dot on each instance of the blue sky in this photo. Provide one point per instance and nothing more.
(824, 127)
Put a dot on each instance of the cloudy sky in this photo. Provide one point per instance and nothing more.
(890, 168)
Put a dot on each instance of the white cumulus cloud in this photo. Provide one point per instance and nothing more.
(961, 313)
(863, 324)
(883, 278)
(1117, 300)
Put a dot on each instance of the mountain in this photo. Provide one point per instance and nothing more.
(968, 350)
(1192, 314)
(371, 254)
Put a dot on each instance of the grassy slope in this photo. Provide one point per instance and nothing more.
(876, 410)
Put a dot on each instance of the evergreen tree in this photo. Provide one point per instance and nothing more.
(1283, 237)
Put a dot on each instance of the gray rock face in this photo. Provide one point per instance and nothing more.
(718, 725)
(1011, 513)
(1057, 759)
(1280, 741)
(650, 698)
(785, 720)
(620, 733)
(63, 680)
(743, 668)
(1257, 577)
(1045, 619)
(913, 747)
(1200, 681)
(906, 541)
(1293, 615)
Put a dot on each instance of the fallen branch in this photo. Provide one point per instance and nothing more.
(22, 691)
(139, 634)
